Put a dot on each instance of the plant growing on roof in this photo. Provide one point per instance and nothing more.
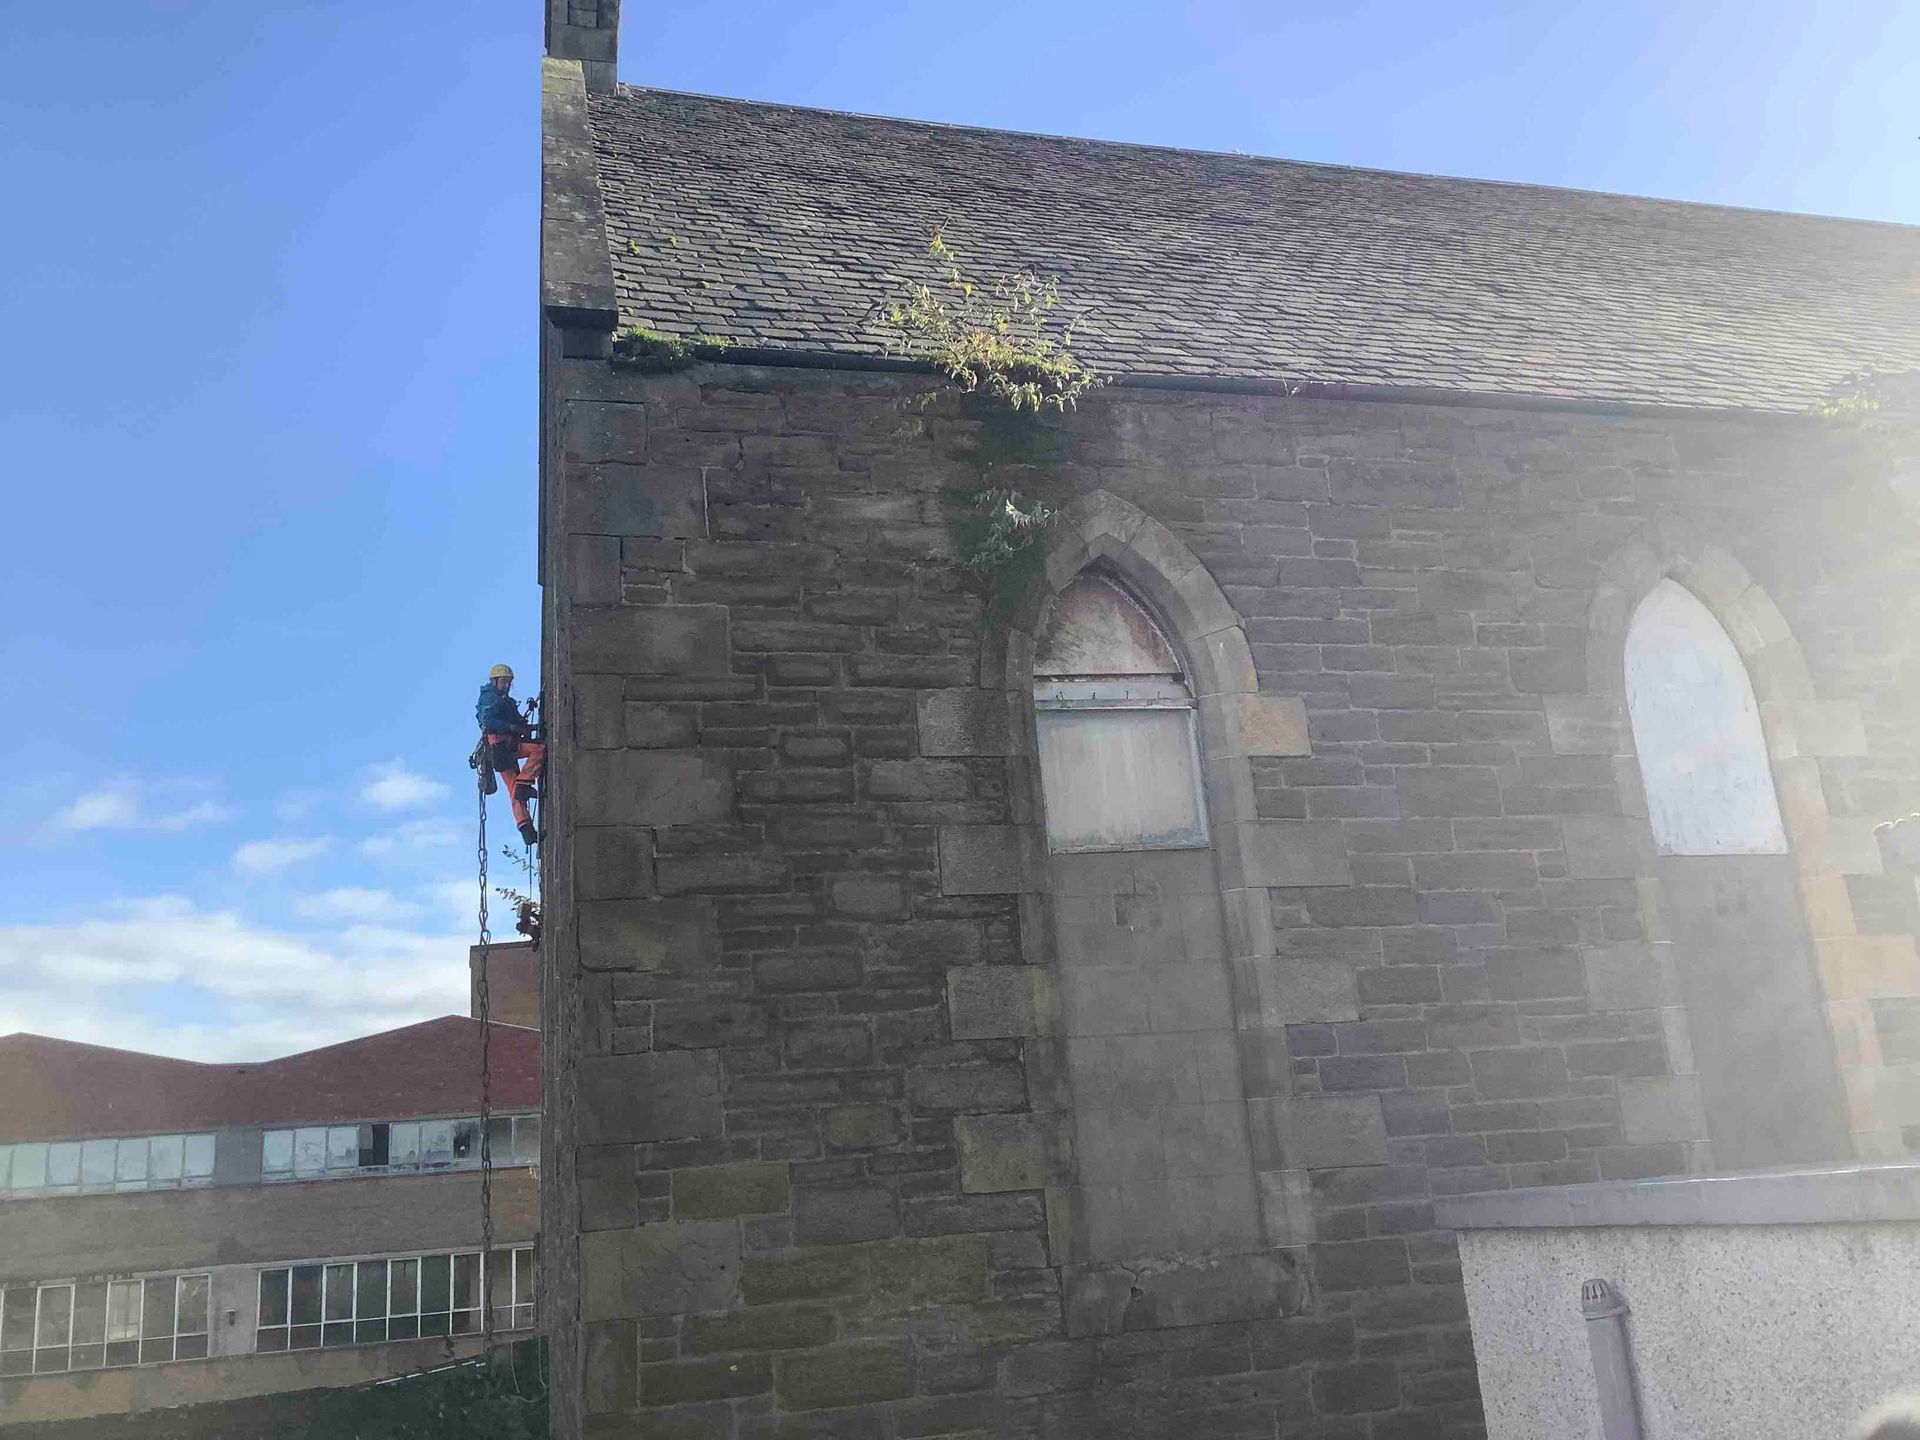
(1000, 337)
(1877, 415)
(651, 353)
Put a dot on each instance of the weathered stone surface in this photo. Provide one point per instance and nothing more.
(844, 1375)
(1309, 1132)
(722, 1191)
(964, 722)
(651, 787)
(658, 1270)
(612, 862)
(1012, 1152)
(652, 640)
(662, 502)
(1289, 852)
(990, 859)
(1442, 938)
(988, 1001)
(624, 1099)
(1278, 990)
(1274, 725)
(647, 935)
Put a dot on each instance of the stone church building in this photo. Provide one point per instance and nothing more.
(1438, 753)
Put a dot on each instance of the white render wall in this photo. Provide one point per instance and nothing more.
(1760, 1332)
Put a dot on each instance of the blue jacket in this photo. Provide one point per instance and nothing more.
(498, 714)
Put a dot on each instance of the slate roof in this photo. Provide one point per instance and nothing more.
(65, 1090)
(781, 227)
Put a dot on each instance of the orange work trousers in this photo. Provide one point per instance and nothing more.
(531, 755)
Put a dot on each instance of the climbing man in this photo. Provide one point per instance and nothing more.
(509, 740)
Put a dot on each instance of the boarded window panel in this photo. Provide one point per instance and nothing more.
(1703, 755)
(1120, 780)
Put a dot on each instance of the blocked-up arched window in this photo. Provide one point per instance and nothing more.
(1696, 727)
(1119, 765)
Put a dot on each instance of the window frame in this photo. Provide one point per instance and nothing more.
(118, 1347)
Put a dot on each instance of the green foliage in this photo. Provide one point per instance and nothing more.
(999, 337)
(998, 531)
(651, 353)
(1877, 417)
(504, 1399)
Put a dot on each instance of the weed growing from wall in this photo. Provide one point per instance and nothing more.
(1003, 344)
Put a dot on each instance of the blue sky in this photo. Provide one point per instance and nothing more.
(267, 360)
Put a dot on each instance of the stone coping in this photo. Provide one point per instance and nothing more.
(1813, 1195)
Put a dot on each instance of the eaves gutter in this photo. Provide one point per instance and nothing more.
(795, 359)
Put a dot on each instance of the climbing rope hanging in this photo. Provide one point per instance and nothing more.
(483, 998)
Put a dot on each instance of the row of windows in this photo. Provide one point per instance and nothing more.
(365, 1302)
(50, 1328)
(317, 1151)
(74, 1167)
(93, 1325)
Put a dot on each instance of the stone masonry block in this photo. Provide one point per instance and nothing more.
(720, 1192)
(1605, 848)
(991, 859)
(659, 1270)
(651, 787)
(965, 722)
(1660, 1108)
(1274, 725)
(994, 1001)
(661, 502)
(1629, 977)
(1273, 991)
(645, 934)
(638, 1099)
(612, 862)
(1288, 852)
(1001, 1153)
(598, 431)
(651, 640)
(838, 1375)
(1314, 1132)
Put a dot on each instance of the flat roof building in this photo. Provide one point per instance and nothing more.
(308, 1221)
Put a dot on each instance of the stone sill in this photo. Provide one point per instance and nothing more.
(1815, 1195)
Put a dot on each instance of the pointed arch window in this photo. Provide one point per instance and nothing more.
(1696, 727)
(1119, 763)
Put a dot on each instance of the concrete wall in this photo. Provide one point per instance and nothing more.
(163, 1230)
(1760, 1307)
(816, 1124)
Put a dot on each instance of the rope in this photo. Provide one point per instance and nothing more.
(483, 994)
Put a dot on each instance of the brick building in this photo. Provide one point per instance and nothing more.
(1439, 756)
(296, 1223)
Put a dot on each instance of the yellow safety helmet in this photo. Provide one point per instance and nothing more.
(500, 670)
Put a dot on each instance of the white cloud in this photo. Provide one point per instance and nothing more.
(410, 840)
(128, 804)
(355, 903)
(165, 976)
(269, 857)
(393, 786)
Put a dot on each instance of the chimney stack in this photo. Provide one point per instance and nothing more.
(587, 31)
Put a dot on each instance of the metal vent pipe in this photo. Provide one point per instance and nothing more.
(1606, 1312)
